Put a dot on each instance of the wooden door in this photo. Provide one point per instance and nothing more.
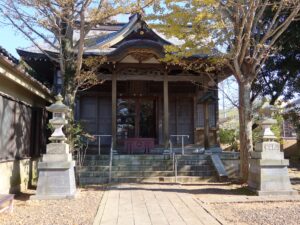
(185, 126)
(104, 118)
(88, 114)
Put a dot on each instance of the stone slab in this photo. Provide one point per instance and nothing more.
(151, 204)
(52, 197)
(55, 165)
(57, 157)
(257, 163)
(271, 146)
(267, 155)
(56, 184)
(58, 148)
(217, 163)
(269, 177)
(277, 192)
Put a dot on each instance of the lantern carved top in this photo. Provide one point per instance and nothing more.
(58, 106)
(59, 111)
(267, 121)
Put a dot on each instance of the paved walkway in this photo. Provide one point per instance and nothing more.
(151, 204)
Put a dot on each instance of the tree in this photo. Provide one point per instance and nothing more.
(58, 29)
(244, 28)
(280, 75)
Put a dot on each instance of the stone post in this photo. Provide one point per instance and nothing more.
(268, 173)
(56, 169)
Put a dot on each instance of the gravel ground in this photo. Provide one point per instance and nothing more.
(279, 213)
(80, 210)
(264, 213)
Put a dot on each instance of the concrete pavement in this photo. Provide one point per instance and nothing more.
(151, 204)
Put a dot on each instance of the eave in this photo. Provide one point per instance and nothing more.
(11, 71)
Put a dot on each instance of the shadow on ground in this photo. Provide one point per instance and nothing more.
(225, 189)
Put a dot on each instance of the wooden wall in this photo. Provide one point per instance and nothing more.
(184, 112)
(22, 129)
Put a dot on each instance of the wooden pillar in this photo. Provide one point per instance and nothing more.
(217, 120)
(206, 126)
(137, 117)
(166, 110)
(114, 108)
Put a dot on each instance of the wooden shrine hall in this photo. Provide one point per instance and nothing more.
(142, 103)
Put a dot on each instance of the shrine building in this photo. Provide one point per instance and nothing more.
(142, 103)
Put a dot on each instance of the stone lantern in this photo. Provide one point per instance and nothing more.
(56, 170)
(268, 172)
(58, 121)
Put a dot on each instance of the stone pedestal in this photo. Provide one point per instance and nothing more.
(268, 172)
(56, 173)
(56, 169)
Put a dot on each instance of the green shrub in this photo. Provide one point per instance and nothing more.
(227, 136)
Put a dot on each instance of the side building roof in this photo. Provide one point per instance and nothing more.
(10, 69)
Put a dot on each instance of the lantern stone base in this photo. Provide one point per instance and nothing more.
(56, 174)
(55, 182)
(270, 177)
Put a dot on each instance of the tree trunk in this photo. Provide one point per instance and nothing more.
(245, 117)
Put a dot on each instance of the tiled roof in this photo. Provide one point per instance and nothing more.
(8, 56)
(4, 54)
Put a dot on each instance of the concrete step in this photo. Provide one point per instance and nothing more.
(183, 168)
(141, 168)
(150, 157)
(126, 168)
(127, 157)
(125, 173)
(207, 173)
(170, 179)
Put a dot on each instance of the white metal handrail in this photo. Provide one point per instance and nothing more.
(99, 136)
(182, 140)
(171, 146)
(176, 167)
(110, 160)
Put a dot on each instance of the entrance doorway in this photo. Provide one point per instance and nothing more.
(136, 118)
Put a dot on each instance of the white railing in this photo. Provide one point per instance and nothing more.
(99, 136)
(171, 146)
(110, 160)
(175, 167)
(182, 141)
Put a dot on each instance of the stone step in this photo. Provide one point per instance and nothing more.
(193, 162)
(207, 173)
(170, 179)
(125, 173)
(127, 157)
(134, 163)
(194, 167)
(140, 168)
(118, 174)
(149, 157)
(158, 165)
(126, 168)
(183, 168)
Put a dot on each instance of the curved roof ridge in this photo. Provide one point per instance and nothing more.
(113, 38)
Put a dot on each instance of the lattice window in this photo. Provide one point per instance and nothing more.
(200, 115)
(212, 115)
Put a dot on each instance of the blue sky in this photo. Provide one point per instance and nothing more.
(10, 40)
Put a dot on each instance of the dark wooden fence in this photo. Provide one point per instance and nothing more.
(22, 129)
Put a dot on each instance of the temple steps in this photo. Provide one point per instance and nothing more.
(171, 179)
(144, 168)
